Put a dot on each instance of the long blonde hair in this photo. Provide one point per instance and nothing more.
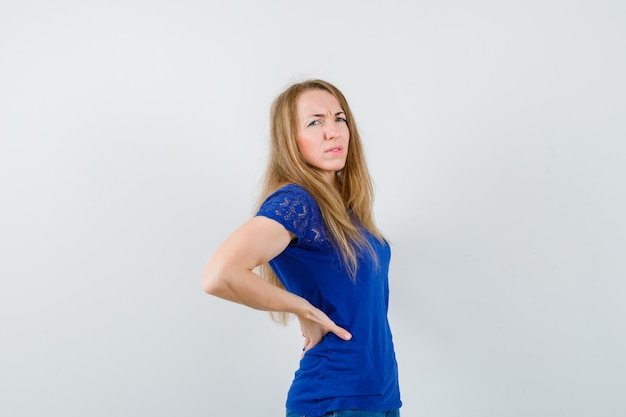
(287, 165)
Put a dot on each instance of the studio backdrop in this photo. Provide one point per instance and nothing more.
(133, 138)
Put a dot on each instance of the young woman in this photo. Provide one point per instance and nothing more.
(321, 256)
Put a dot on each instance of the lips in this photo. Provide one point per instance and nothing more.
(335, 150)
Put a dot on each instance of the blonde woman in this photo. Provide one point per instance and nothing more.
(321, 258)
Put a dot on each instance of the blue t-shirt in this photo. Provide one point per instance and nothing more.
(361, 373)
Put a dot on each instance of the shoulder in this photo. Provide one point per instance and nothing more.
(293, 207)
(291, 188)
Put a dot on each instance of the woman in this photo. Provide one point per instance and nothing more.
(328, 262)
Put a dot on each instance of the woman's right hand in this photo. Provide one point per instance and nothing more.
(315, 325)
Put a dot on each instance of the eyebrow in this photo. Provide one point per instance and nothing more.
(323, 115)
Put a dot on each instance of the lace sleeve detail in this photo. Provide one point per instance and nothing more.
(296, 210)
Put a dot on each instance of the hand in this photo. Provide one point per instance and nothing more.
(316, 325)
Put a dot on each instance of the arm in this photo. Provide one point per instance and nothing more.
(228, 275)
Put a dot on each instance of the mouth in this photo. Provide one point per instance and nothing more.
(335, 150)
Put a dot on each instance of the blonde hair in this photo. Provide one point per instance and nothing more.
(355, 197)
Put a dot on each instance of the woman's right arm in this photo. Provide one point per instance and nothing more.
(229, 275)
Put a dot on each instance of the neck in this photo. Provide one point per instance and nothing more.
(331, 179)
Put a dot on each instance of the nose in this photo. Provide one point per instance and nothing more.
(332, 129)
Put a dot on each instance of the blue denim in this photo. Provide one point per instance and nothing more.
(351, 413)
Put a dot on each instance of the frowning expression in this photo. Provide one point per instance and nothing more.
(322, 132)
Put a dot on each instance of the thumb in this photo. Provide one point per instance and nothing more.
(342, 333)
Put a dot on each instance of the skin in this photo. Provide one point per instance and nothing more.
(322, 138)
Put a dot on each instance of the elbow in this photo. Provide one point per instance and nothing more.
(211, 282)
(217, 279)
(208, 286)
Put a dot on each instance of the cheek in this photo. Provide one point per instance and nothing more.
(304, 146)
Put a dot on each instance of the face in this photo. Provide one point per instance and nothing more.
(322, 132)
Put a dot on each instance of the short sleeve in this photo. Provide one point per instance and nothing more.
(295, 209)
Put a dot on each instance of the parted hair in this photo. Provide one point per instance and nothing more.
(339, 208)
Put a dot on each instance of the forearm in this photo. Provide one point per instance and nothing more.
(243, 286)
(229, 272)
(226, 277)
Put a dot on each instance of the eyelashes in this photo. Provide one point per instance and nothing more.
(337, 119)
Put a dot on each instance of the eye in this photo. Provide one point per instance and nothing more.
(313, 123)
(341, 119)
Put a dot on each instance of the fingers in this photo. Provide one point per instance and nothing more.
(306, 347)
(316, 326)
(311, 341)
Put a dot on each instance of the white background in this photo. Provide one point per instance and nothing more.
(133, 138)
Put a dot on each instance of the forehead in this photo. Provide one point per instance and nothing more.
(317, 101)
